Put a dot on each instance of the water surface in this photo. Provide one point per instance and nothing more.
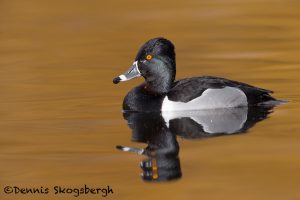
(61, 115)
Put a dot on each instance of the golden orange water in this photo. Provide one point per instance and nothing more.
(60, 114)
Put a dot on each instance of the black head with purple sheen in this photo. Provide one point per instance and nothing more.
(155, 61)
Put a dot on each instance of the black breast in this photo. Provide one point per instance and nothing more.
(140, 99)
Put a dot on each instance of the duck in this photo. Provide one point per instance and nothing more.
(156, 63)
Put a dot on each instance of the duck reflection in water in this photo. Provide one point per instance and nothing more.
(159, 131)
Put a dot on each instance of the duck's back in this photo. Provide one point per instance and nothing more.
(212, 92)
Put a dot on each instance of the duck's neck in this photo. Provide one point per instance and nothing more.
(161, 84)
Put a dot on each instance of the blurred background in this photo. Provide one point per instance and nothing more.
(61, 117)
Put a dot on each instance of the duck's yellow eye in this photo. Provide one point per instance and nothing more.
(148, 57)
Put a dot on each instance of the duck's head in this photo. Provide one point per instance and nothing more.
(155, 61)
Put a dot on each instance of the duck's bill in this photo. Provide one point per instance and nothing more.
(130, 74)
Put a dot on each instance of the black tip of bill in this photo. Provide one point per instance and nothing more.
(116, 80)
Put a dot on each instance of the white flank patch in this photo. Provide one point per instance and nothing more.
(227, 97)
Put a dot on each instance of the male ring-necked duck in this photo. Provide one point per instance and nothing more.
(155, 61)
